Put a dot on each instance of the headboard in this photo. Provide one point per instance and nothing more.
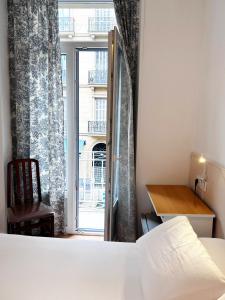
(214, 196)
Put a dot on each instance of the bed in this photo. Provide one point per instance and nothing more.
(67, 269)
(33, 268)
(216, 249)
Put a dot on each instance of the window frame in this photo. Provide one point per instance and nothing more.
(71, 50)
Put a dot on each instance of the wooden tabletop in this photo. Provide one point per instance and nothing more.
(176, 200)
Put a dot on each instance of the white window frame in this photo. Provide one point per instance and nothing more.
(69, 48)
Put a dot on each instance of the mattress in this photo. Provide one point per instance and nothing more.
(216, 249)
(62, 269)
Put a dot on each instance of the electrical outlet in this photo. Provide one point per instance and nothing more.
(202, 184)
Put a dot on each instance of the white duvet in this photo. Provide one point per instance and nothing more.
(33, 268)
(167, 263)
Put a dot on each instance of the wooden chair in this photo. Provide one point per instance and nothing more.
(26, 212)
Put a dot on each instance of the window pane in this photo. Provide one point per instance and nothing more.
(100, 109)
(86, 24)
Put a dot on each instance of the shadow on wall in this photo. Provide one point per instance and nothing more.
(214, 196)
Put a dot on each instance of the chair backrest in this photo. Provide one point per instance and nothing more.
(23, 182)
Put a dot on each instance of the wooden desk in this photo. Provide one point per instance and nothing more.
(177, 200)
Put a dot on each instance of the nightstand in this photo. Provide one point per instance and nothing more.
(170, 201)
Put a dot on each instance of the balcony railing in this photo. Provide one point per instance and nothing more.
(97, 77)
(97, 127)
(92, 169)
(97, 24)
(66, 24)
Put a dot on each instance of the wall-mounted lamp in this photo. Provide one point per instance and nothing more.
(202, 159)
(201, 179)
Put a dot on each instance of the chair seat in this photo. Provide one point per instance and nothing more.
(26, 212)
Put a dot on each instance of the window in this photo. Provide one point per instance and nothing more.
(98, 75)
(83, 37)
(85, 24)
(103, 20)
(101, 60)
(100, 109)
(66, 22)
(99, 163)
(65, 12)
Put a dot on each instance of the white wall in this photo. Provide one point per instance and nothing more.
(169, 91)
(210, 137)
(4, 110)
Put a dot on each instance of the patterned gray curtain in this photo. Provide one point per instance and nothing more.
(36, 94)
(127, 14)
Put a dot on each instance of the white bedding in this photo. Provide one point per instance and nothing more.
(62, 269)
(216, 249)
(176, 266)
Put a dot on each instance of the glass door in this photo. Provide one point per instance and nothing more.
(83, 33)
(115, 81)
(91, 90)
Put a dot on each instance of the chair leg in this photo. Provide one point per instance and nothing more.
(17, 229)
(42, 228)
(47, 226)
(28, 230)
(14, 228)
(9, 228)
(52, 233)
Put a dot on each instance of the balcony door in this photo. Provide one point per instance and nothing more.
(85, 71)
(115, 89)
(83, 29)
(91, 98)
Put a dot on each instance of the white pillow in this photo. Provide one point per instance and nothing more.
(222, 297)
(175, 264)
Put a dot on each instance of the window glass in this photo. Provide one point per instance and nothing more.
(86, 24)
(100, 109)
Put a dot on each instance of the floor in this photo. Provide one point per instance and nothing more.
(82, 237)
(91, 219)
